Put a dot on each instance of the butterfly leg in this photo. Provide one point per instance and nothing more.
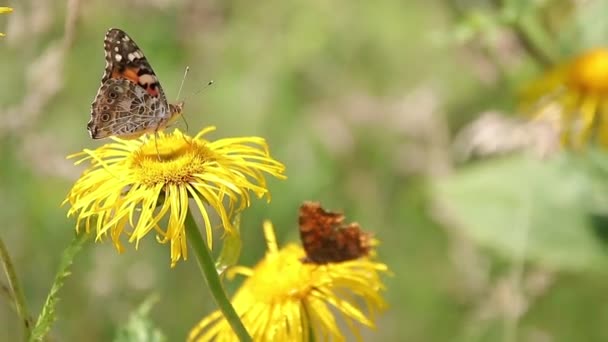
(186, 139)
(156, 144)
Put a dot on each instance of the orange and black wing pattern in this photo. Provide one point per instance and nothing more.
(326, 239)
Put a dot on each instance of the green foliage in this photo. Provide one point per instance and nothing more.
(48, 313)
(232, 245)
(139, 327)
(523, 207)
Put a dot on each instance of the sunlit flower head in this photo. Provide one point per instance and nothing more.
(286, 299)
(574, 96)
(5, 10)
(143, 185)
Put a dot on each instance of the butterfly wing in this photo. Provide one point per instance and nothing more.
(127, 73)
(326, 239)
(126, 110)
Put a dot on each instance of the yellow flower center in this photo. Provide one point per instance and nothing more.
(589, 72)
(171, 159)
(294, 282)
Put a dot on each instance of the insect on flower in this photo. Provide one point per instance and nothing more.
(326, 239)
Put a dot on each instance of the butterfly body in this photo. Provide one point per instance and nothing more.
(130, 101)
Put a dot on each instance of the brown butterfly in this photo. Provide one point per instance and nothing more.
(130, 101)
(326, 239)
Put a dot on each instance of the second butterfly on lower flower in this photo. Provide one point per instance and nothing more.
(304, 294)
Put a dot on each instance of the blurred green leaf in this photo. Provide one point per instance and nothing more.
(514, 9)
(519, 206)
(588, 28)
(47, 315)
(231, 247)
(139, 327)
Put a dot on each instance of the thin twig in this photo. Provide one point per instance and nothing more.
(17, 292)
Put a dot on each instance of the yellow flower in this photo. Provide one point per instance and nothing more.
(131, 185)
(574, 97)
(5, 10)
(284, 299)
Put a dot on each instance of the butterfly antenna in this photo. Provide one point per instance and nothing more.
(211, 82)
(198, 92)
(183, 81)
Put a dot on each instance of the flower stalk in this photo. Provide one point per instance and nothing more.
(207, 267)
(17, 293)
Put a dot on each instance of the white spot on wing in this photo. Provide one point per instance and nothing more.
(118, 58)
(147, 79)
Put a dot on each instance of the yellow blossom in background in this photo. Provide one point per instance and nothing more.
(143, 185)
(574, 97)
(2, 11)
(284, 299)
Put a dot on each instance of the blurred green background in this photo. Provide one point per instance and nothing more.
(363, 102)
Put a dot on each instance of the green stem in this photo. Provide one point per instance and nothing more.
(7, 294)
(535, 41)
(207, 267)
(533, 37)
(18, 297)
(47, 315)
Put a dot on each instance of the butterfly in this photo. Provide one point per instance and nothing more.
(130, 100)
(326, 239)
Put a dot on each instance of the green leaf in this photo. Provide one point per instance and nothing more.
(588, 28)
(231, 247)
(47, 315)
(139, 327)
(521, 207)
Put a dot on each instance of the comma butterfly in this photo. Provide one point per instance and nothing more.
(326, 239)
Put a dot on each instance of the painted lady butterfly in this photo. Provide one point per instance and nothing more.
(130, 101)
(325, 239)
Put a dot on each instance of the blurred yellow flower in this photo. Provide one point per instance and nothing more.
(5, 10)
(574, 97)
(137, 183)
(285, 299)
